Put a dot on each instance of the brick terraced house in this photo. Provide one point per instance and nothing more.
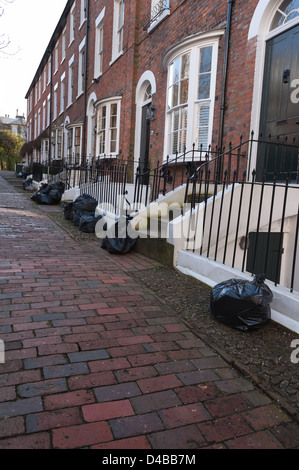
(186, 103)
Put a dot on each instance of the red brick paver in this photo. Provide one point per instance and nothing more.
(93, 360)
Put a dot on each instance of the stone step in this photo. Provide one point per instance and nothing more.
(157, 249)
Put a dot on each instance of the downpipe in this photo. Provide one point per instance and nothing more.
(223, 105)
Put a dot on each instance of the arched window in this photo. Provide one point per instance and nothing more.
(287, 11)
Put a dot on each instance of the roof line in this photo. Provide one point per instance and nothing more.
(57, 32)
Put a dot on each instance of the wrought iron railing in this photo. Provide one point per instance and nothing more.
(44, 171)
(248, 219)
(105, 180)
(159, 8)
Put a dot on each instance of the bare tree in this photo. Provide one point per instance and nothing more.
(4, 38)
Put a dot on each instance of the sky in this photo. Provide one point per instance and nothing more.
(29, 25)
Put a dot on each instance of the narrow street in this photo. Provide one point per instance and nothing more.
(94, 360)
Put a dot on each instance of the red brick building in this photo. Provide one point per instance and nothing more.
(146, 79)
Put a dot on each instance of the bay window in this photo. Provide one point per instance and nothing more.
(191, 93)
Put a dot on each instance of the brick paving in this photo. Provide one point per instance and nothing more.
(93, 360)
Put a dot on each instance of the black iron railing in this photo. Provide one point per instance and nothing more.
(44, 171)
(105, 180)
(248, 220)
(151, 183)
(156, 12)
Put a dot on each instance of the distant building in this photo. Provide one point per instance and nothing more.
(17, 125)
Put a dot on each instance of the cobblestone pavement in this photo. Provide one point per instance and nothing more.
(111, 352)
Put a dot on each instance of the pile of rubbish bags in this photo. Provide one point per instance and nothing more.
(82, 213)
(242, 305)
(117, 240)
(49, 194)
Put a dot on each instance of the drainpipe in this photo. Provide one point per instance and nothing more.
(223, 105)
(50, 104)
(85, 87)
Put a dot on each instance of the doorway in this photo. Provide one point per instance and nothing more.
(279, 123)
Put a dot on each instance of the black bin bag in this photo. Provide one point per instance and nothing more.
(84, 205)
(117, 240)
(49, 194)
(242, 305)
(88, 223)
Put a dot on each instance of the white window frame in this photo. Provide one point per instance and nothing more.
(44, 79)
(98, 58)
(55, 102)
(71, 149)
(193, 46)
(56, 57)
(70, 81)
(48, 109)
(72, 24)
(162, 15)
(118, 29)
(107, 141)
(81, 67)
(45, 149)
(44, 116)
(35, 126)
(63, 46)
(62, 93)
(83, 12)
(38, 122)
(49, 71)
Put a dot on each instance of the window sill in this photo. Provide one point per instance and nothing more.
(158, 20)
(111, 156)
(82, 23)
(97, 77)
(114, 59)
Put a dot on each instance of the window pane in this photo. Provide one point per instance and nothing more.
(179, 130)
(203, 126)
(185, 66)
(205, 59)
(102, 118)
(183, 132)
(113, 140)
(113, 114)
(184, 91)
(102, 142)
(175, 95)
(176, 69)
(204, 86)
(113, 121)
(287, 11)
(176, 120)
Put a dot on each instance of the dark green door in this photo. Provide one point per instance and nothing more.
(280, 106)
(264, 255)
